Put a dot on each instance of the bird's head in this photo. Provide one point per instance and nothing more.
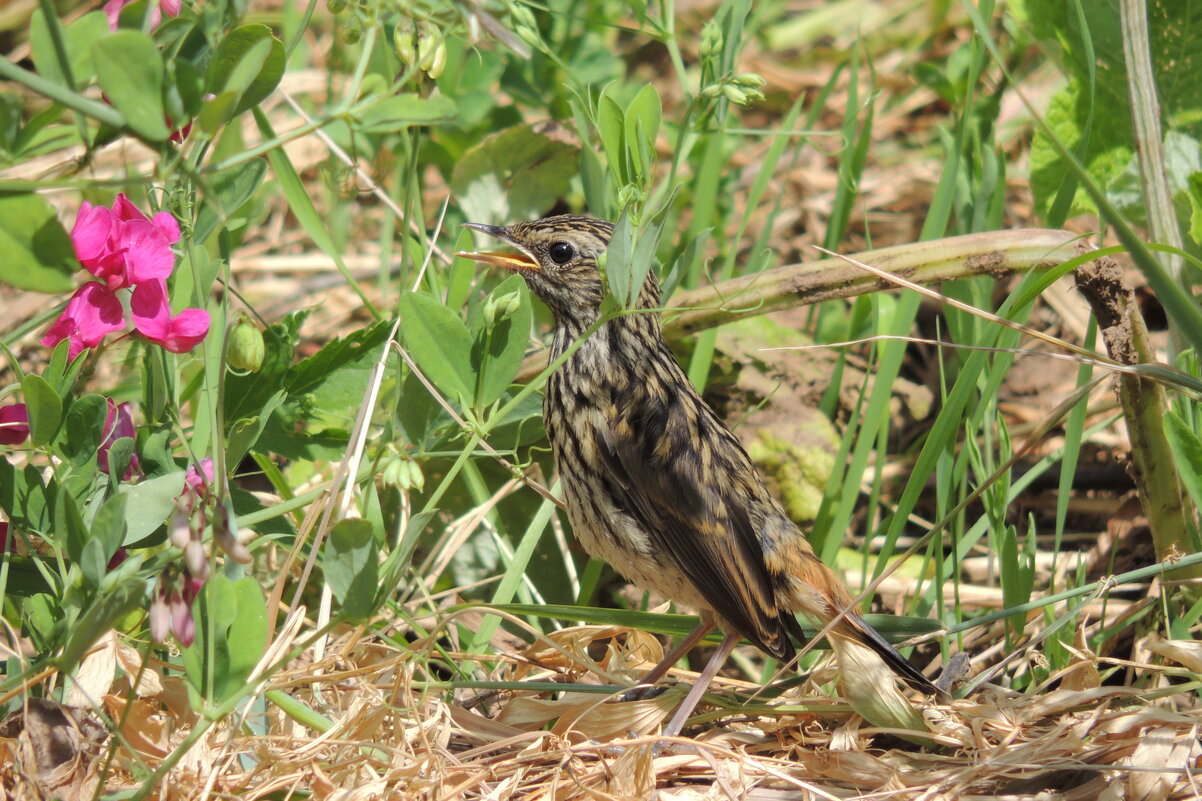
(558, 258)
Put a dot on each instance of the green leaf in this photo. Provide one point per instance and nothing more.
(45, 409)
(517, 174)
(38, 254)
(612, 127)
(642, 121)
(148, 504)
(79, 36)
(108, 527)
(1195, 205)
(497, 351)
(352, 568)
(130, 69)
(395, 113)
(70, 531)
(84, 426)
(24, 498)
(619, 262)
(245, 432)
(249, 64)
(1096, 54)
(114, 602)
(1187, 451)
(227, 191)
(440, 344)
(236, 615)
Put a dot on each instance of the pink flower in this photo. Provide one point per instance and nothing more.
(121, 246)
(152, 318)
(92, 313)
(14, 424)
(112, 10)
(199, 480)
(118, 424)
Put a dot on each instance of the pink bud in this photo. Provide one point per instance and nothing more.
(14, 424)
(160, 618)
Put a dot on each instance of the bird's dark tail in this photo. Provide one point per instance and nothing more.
(901, 666)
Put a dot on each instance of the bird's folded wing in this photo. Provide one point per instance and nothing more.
(703, 523)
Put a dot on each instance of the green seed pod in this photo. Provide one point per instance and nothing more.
(246, 349)
(336, 6)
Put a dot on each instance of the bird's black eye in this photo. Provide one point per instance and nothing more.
(562, 252)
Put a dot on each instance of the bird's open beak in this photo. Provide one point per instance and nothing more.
(515, 262)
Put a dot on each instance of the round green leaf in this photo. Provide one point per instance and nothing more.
(130, 69)
(37, 250)
(249, 63)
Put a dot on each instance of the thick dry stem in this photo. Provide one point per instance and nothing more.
(1153, 467)
(996, 253)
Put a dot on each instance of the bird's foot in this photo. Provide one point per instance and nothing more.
(641, 693)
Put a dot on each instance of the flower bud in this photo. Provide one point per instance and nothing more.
(403, 41)
(734, 94)
(196, 559)
(711, 91)
(226, 537)
(711, 40)
(336, 6)
(352, 31)
(246, 348)
(182, 623)
(417, 480)
(395, 474)
(160, 617)
(179, 530)
(498, 308)
(430, 42)
(749, 79)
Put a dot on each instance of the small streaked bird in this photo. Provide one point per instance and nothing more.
(657, 485)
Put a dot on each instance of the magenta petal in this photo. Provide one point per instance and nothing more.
(123, 208)
(187, 330)
(198, 480)
(147, 252)
(167, 223)
(90, 234)
(148, 306)
(112, 10)
(14, 426)
(152, 318)
(92, 313)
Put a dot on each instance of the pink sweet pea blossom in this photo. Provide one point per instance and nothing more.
(112, 10)
(118, 423)
(152, 318)
(121, 246)
(14, 424)
(124, 248)
(92, 313)
(198, 481)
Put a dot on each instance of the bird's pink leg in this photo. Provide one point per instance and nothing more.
(679, 650)
(703, 682)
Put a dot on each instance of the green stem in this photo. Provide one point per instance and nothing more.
(62, 95)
